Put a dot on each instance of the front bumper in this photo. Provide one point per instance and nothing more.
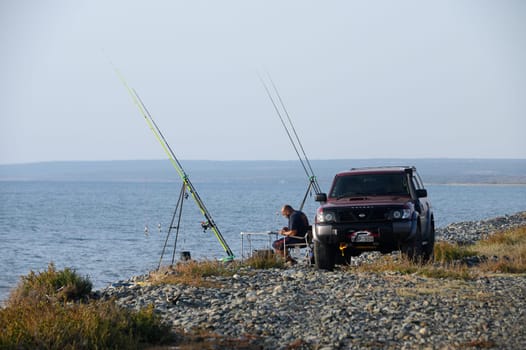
(366, 234)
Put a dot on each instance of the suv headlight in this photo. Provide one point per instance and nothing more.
(325, 216)
(398, 214)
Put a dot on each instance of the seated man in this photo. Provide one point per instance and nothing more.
(297, 228)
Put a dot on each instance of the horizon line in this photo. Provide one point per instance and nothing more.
(258, 160)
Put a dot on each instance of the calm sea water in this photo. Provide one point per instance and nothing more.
(98, 228)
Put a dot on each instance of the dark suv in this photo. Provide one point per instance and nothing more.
(382, 209)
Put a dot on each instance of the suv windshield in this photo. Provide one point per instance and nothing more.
(370, 185)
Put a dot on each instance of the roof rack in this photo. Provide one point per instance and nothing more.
(386, 167)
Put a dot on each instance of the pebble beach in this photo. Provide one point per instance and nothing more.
(300, 307)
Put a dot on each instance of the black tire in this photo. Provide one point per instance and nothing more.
(412, 249)
(429, 248)
(324, 255)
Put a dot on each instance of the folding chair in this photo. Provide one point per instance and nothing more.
(301, 251)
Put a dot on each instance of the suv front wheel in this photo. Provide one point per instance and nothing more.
(324, 255)
(429, 248)
(412, 249)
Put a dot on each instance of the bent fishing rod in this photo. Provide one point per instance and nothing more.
(296, 143)
(209, 223)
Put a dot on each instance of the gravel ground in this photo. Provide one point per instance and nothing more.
(302, 307)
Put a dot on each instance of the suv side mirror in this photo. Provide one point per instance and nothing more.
(421, 193)
(320, 197)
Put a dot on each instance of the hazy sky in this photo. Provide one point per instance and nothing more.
(361, 79)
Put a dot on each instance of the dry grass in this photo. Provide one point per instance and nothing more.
(268, 260)
(505, 251)
(432, 287)
(479, 344)
(192, 273)
(446, 253)
(502, 252)
(407, 267)
(195, 273)
(205, 340)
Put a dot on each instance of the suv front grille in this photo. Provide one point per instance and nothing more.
(364, 213)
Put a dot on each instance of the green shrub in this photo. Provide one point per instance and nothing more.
(40, 315)
(64, 285)
(91, 325)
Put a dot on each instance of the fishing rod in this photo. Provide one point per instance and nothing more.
(296, 143)
(209, 223)
(311, 174)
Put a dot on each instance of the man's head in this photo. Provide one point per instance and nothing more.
(287, 210)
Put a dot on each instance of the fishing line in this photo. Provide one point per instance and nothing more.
(182, 173)
(284, 125)
(311, 174)
(146, 191)
(305, 163)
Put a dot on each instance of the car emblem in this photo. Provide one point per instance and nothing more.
(361, 215)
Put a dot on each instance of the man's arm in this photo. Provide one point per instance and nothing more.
(286, 232)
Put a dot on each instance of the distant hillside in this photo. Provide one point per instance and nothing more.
(478, 171)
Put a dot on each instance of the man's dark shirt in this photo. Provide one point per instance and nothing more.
(298, 221)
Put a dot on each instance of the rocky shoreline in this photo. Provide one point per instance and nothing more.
(303, 308)
(468, 232)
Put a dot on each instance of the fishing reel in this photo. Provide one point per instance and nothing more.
(205, 225)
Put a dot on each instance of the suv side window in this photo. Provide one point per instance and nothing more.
(417, 182)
